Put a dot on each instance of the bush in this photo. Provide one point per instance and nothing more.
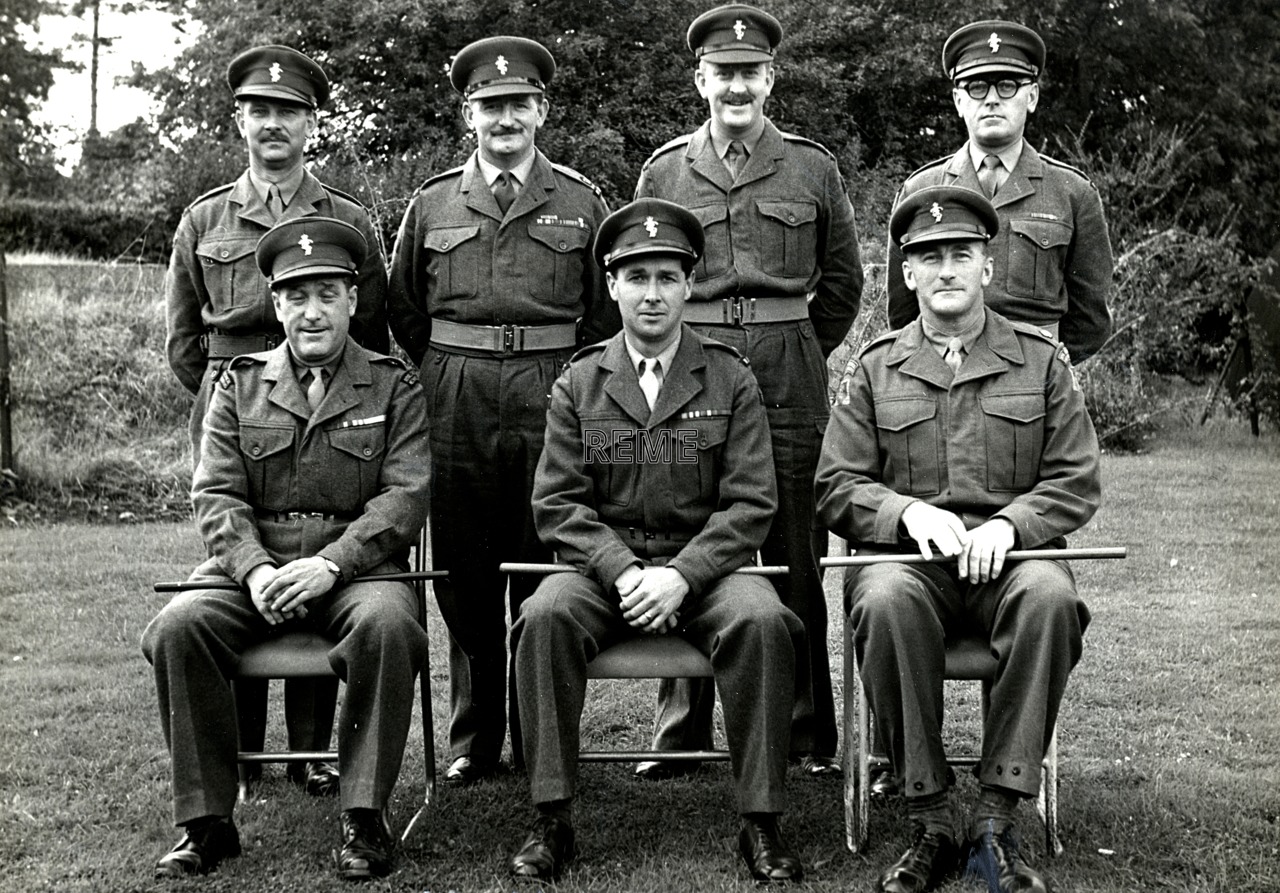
(104, 230)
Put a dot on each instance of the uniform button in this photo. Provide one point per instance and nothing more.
(1044, 242)
(791, 217)
(368, 451)
(444, 244)
(226, 253)
(1017, 770)
(257, 451)
(564, 245)
(919, 785)
(999, 770)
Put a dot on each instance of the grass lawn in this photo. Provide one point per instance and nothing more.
(1168, 736)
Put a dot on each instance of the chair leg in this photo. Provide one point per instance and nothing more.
(424, 681)
(1047, 801)
(857, 756)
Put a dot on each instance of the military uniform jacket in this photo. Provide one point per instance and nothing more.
(785, 228)
(1009, 437)
(214, 281)
(362, 458)
(458, 258)
(698, 469)
(1052, 254)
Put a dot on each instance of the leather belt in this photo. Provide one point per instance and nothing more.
(503, 339)
(640, 535)
(218, 346)
(286, 517)
(739, 311)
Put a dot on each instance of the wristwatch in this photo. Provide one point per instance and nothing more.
(333, 569)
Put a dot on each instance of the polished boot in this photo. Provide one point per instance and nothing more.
(318, 779)
(767, 857)
(547, 849)
(994, 859)
(366, 845)
(930, 860)
(205, 842)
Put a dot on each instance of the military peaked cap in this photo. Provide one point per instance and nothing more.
(278, 72)
(733, 34)
(648, 226)
(501, 66)
(992, 46)
(310, 246)
(942, 214)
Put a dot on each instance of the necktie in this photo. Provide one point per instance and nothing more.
(275, 201)
(315, 387)
(736, 156)
(954, 355)
(989, 176)
(650, 380)
(504, 190)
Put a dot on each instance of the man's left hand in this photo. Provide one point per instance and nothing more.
(297, 583)
(652, 604)
(982, 558)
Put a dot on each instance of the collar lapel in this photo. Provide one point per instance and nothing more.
(679, 383)
(285, 390)
(533, 194)
(1022, 180)
(351, 373)
(479, 196)
(309, 194)
(251, 205)
(621, 385)
(916, 357)
(763, 162)
(704, 160)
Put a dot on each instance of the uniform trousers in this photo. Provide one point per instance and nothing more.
(737, 622)
(792, 373)
(902, 615)
(193, 645)
(488, 418)
(309, 704)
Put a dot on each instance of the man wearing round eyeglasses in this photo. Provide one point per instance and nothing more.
(1052, 255)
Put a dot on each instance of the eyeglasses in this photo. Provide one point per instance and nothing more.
(1005, 89)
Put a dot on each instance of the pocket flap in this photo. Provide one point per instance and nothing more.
(711, 433)
(226, 250)
(261, 441)
(446, 238)
(789, 213)
(896, 415)
(1045, 233)
(364, 443)
(559, 238)
(1021, 408)
(709, 214)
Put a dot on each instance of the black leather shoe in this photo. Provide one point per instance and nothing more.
(994, 859)
(203, 845)
(317, 779)
(664, 770)
(546, 851)
(366, 845)
(768, 859)
(820, 767)
(884, 785)
(930, 860)
(465, 771)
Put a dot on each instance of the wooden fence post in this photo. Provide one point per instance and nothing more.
(6, 429)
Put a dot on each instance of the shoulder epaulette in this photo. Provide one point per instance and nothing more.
(338, 192)
(924, 167)
(727, 348)
(588, 351)
(1027, 328)
(248, 359)
(225, 187)
(577, 177)
(805, 141)
(451, 172)
(1062, 164)
(682, 140)
(386, 358)
(885, 338)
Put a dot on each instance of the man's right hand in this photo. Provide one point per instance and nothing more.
(258, 579)
(929, 524)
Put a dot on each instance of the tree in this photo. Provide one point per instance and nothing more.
(25, 78)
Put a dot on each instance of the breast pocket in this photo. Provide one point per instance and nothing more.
(789, 237)
(356, 464)
(716, 256)
(268, 454)
(230, 273)
(697, 460)
(1037, 257)
(908, 430)
(1015, 440)
(453, 259)
(609, 456)
(559, 255)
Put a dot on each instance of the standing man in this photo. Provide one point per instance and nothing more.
(313, 470)
(492, 287)
(219, 306)
(655, 484)
(1052, 255)
(780, 281)
(965, 433)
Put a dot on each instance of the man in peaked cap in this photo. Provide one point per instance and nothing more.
(655, 484)
(1052, 255)
(492, 289)
(218, 305)
(312, 471)
(967, 434)
(781, 281)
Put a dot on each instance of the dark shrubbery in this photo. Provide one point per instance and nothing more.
(105, 230)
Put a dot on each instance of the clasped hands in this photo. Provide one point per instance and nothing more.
(651, 597)
(980, 551)
(281, 593)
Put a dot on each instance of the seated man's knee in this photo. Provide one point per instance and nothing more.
(882, 592)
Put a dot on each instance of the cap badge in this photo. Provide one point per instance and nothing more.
(652, 226)
(306, 244)
(936, 211)
(501, 63)
(275, 72)
(994, 42)
(739, 29)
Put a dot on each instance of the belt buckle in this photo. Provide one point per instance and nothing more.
(271, 341)
(509, 339)
(735, 311)
(305, 516)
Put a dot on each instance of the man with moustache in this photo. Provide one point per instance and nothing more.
(1052, 256)
(492, 289)
(218, 305)
(655, 485)
(781, 281)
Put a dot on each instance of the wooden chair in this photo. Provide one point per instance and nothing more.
(301, 653)
(968, 658)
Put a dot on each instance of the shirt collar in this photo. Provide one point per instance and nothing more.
(939, 339)
(664, 358)
(1009, 157)
(721, 144)
(289, 186)
(521, 171)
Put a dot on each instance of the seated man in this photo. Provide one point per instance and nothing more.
(965, 433)
(313, 469)
(656, 483)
